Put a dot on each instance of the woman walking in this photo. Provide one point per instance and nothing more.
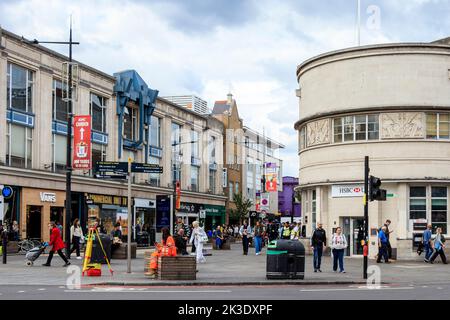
(57, 245)
(439, 247)
(338, 246)
(197, 238)
(76, 234)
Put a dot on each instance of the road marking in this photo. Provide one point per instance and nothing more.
(20, 291)
(147, 291)
(355, 289)
(42, 289)
(411, 266)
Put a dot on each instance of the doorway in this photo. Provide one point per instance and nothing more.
(353, 228)
(34, 222)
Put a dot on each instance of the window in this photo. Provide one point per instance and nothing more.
(438, 126)
(154, 178)
(194, 144)
(98, 153)
(98, 113)
(356, 128)
(59, 106)
(230, 191)
(19, 88)
(175, 142)
(212, 181)
(18, 147)
(302, 143)
(155, 132)
(314, 209)
(417, 203)
(194, 178)
(439, 208)
(129, 125)
(59, 153)
(237, 187)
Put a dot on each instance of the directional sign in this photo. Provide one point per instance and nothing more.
(111, 176)
(146, 168)
(111, 166)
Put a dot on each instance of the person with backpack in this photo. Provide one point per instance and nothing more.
(439, 247)
(338, 246)
(318, 244)
(198, 237)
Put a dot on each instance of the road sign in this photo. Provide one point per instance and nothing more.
(82, 142)
(7, 191)
(265, 201)
(146, 168)
(111, 166)
(202, 214)
(111, 176)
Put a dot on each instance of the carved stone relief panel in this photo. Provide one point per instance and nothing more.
(318, 132)
(402, 125)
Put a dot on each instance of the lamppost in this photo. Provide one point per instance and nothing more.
(69, 135)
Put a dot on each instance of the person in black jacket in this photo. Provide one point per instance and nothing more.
(181, 242)
(318, 243)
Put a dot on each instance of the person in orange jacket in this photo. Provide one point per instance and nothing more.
(166, 248)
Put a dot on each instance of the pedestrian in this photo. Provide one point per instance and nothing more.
(439, 247)
(198, 237)
(244, 232)
(286, 235)
(272, 231)
(318, 244)
(15, 230)
(76, 234)
(166, 248)
(57, 245)
(181, 225)
(236, 231)
(382, 245)
(259, 232)
(219, 237)
(388, 232)
(193, 248)
(338, 246)
(427, 244)
(116, 235)
(60, 227)
(181, 242)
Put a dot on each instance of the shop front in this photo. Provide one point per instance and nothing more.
(40, 206)
(144, 221)
(215, 215)
(109, 210)
(189, 212)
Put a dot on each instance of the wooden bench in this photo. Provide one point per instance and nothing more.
(121, 252)
(225, 246)
(177, 268)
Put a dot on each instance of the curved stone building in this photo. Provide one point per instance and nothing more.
(392, 103)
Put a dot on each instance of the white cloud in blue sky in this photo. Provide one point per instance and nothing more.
(206, 47)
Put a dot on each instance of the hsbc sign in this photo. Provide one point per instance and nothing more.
(345, 191)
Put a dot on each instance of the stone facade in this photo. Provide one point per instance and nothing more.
(402, 125)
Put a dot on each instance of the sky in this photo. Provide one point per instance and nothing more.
(211, 47)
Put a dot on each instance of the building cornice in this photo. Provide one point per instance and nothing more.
(385, 181)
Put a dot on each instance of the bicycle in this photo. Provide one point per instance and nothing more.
(28, 244)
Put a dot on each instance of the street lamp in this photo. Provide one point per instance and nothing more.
(69, 136)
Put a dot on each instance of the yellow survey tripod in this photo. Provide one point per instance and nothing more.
(88, 253)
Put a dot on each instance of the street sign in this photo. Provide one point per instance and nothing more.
(7, 191)
(265, 202)
(202, 214)
(82, 142)
(111, 166)
(146, 168)
(111, 176)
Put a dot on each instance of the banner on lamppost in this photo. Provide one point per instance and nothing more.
(82, 143)
(271, 177)
(178, 198)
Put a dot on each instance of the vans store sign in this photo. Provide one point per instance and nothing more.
(48, 197)
(344, 191)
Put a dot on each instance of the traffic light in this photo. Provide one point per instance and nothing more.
(375, 193)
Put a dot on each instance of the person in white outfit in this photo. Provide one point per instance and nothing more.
(198, 236)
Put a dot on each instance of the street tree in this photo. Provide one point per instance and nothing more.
(243, 206)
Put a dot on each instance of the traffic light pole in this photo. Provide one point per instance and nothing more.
(366, 215)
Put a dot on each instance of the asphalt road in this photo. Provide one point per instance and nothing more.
(263, 293)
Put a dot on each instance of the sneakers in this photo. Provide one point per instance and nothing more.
(46, 265)
(66, 264)
(79, 258)
(319, 270)
(315, 270)
(343, 271)
(258, 253)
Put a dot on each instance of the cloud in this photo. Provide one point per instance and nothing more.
(206, 47)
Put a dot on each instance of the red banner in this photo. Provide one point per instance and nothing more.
(271, 183)
(178, 192)
(82, 143)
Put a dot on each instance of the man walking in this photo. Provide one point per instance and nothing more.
(427, 245)
(318, 244)
(382, 244)
(387, 233)
(286, 235)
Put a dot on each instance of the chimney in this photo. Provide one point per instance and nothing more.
(229, 98)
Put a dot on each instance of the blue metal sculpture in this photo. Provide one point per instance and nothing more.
(131, 87)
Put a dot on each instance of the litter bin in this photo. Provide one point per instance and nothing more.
(97, 253)
(285, 260)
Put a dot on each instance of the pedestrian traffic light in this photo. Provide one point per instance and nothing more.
(375, 193)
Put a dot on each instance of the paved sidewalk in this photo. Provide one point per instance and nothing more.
(228, 267)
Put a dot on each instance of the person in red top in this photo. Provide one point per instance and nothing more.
(57, 245)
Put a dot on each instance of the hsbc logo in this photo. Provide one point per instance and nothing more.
(342, 191)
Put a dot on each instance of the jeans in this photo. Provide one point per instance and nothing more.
(441, 253)
(258, 242)
(428, 251)
(318, 251)
(218, 243)
(383, 253)
(338, 256)
(245, 244)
